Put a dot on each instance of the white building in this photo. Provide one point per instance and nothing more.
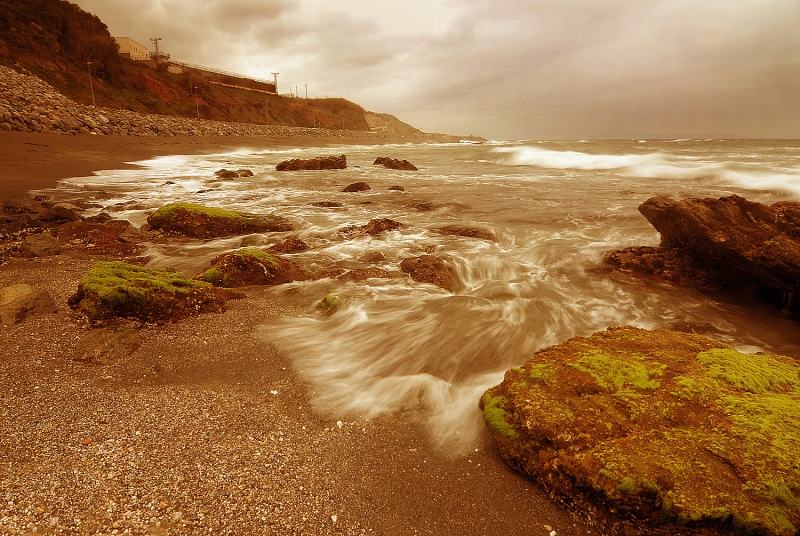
(131, 49)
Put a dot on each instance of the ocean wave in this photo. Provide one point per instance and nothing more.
(548, 158)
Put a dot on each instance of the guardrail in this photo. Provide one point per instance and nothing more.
(220, 71)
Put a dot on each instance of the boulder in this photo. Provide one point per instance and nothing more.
(61, 212)
(374, 227)
(373, 257)
(117, 289)
(396, 188)
(17, 302)
(19, 204)
(290, 245)
(357, 187)
(206, 222)
(324, 162)
(114, 237)
(329, 305)
(362, 274)
(664, 432)
(40, 245)
(392, 163)
(468, 232)
(732, 240)
(432, 269)
(227, 174)
(107, 345)
(249, 266)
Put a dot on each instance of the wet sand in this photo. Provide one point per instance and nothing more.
(206, 428)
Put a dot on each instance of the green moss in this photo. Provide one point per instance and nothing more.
(615, 374)
(627, 486)
(329, 304)
(258, 254)
(170, 212)
(495, 417)
(213, 276)
(542, 372)
(756, 373)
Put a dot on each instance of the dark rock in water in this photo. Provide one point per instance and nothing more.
(114, 237)
(373, 257)
(17, 302)
(117, 289)
(61, 212)
(108, 345)
(468, 232)
(666, 264)
(362, 274)
(374, 227)
(357, 187)
(733, 241)
(392, 163)
(329, 304)
(326, 204)
(103, 217)
(397, 188)
(40, 245)
(206, 222)
(227, 174)
(252, 267)
(325, 162)
(432, 269)
(19, 204)
(424, 207)
(290, 245)
(657, 429)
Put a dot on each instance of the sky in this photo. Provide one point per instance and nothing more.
(506, 69)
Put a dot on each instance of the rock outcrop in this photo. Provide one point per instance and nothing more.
(725, 243)
(432, 269)
(206, 222)
(250, 266)
(17, 302)
(322, 162)
(392, 163)
(657, 428)
(117, 289)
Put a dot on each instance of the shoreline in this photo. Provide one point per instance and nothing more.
(187, 435)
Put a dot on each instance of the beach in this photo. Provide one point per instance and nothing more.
(208, 427)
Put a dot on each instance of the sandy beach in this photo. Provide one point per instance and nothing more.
(207, 429)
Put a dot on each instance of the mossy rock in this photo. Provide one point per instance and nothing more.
(249, 266)
(329, 304)
(661, 428)
(117, 289)
(207, 222)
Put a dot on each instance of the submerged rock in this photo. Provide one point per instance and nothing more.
(362, 274)
(227, 174)
(17, 302)
(206, 222)
(396, 188)
(432, 269)
(657, 428)
(374, 227)
(727, 242)
(468, 232)
(117, 289)
(392, 163)
(326, 204)
(357, 187)
(290, 245)
(324, 162)
(252, 267)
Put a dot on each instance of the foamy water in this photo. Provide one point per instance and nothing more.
(556, 209)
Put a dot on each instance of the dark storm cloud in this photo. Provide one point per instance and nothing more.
(508, 68)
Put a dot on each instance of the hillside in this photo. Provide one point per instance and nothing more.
(54, 40)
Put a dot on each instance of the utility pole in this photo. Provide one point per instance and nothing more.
(266, 110)
(91, 86)
(306, 91)
(196, 104)
(155, 41)
(296, 94)
(276, 82)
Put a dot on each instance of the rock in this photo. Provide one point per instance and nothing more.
(61, 212)
(117, 289)
(40, 245)
(373, 257)
(325, 162)
(205, 222)
(665, 264)
(114, 237)
(290, 245)
(374, 227)
(329, 304)
(424, 207)
(108, 345)
(391, 163)
(396, 188)
(432, 269)
(326, 204)
(468, 232)
(362, 274)
(732, 240)
(227, 174)
(17, 302)
(19, 204)
(658, 426)
(357, 187)
(251, 267)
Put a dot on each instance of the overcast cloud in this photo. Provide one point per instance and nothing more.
(506, 69)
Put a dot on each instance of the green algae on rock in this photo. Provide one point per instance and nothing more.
(663, 428)
(200, 221)
(117, 289)
(249, 266)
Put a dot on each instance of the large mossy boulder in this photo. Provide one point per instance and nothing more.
(118, 289)
(659, 428)
(249, 266)
(200, 221)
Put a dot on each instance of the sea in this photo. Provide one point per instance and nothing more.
(556, 209)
